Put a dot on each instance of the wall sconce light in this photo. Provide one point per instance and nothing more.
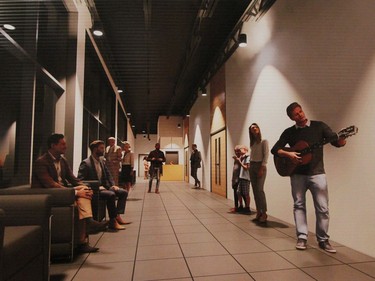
(179, 125)
(242, 40)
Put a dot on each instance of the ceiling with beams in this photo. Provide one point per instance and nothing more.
(163, 51)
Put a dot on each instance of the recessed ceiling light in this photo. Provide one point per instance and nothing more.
(98, 33)
(9, 26)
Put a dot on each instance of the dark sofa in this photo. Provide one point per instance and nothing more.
(25, 237)
(62, 222)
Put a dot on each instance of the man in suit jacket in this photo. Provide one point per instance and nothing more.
(52, 170)
(94, 168)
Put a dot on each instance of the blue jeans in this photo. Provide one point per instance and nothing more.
(317, 184)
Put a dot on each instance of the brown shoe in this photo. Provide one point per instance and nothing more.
(114, 225)
(263, 218)
(86, 248)
(121, 221)
(94, 227)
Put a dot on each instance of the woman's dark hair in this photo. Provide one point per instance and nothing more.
(254, 138)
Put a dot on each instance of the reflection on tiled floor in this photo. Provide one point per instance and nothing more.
(188, 234)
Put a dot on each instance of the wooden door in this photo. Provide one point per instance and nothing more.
(218, 164)
(186, 164)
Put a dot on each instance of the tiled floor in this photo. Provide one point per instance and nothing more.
(187, 234)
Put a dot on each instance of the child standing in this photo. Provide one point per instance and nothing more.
(244, 177)
(238, 207)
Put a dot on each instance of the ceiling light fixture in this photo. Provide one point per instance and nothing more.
(242, 40)
(98, 32)
(204, 92)
(9, 26)
(179, 125)
(120, 91)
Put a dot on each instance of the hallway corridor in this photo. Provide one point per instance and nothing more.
(187, 234)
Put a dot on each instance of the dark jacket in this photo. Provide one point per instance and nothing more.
(45, 174)
(87, 171)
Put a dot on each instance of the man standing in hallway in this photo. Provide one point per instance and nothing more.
(156, 157)
(113, 154)
(94, 168)
(195, 163)
(309, 176)
(52, 170)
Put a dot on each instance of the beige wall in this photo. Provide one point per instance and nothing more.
(321, 54)
(199, 133)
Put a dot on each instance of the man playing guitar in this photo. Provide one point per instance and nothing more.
(308, 173)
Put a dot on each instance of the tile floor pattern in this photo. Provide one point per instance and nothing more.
(187, 234)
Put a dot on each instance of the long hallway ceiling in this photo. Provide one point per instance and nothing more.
(161, 51)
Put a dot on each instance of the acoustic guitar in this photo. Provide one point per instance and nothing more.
(284, 165)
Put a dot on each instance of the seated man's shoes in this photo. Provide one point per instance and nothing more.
(301, 244)
(121, 221)
(326, 246)
(94, 227)
(86, 248)
(114, 225)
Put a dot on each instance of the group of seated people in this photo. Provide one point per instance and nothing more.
(52, 170)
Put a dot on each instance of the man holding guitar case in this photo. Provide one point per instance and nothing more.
(303, 162)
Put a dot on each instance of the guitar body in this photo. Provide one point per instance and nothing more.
(285, 167)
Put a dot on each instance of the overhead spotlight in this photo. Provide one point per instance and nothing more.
(98, 32)
(179, 125)
(204, 92)
(242, 40)
(187, 115)
(129, 114)
(9, 26)
(120, 91)
(133, 126)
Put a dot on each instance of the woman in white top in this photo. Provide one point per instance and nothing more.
(258, 170)
(127, 167)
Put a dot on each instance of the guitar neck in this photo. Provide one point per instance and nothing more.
(318, 144)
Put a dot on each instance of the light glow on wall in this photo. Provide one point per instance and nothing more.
(218, 121)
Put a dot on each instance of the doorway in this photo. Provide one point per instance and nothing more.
(218, 163)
